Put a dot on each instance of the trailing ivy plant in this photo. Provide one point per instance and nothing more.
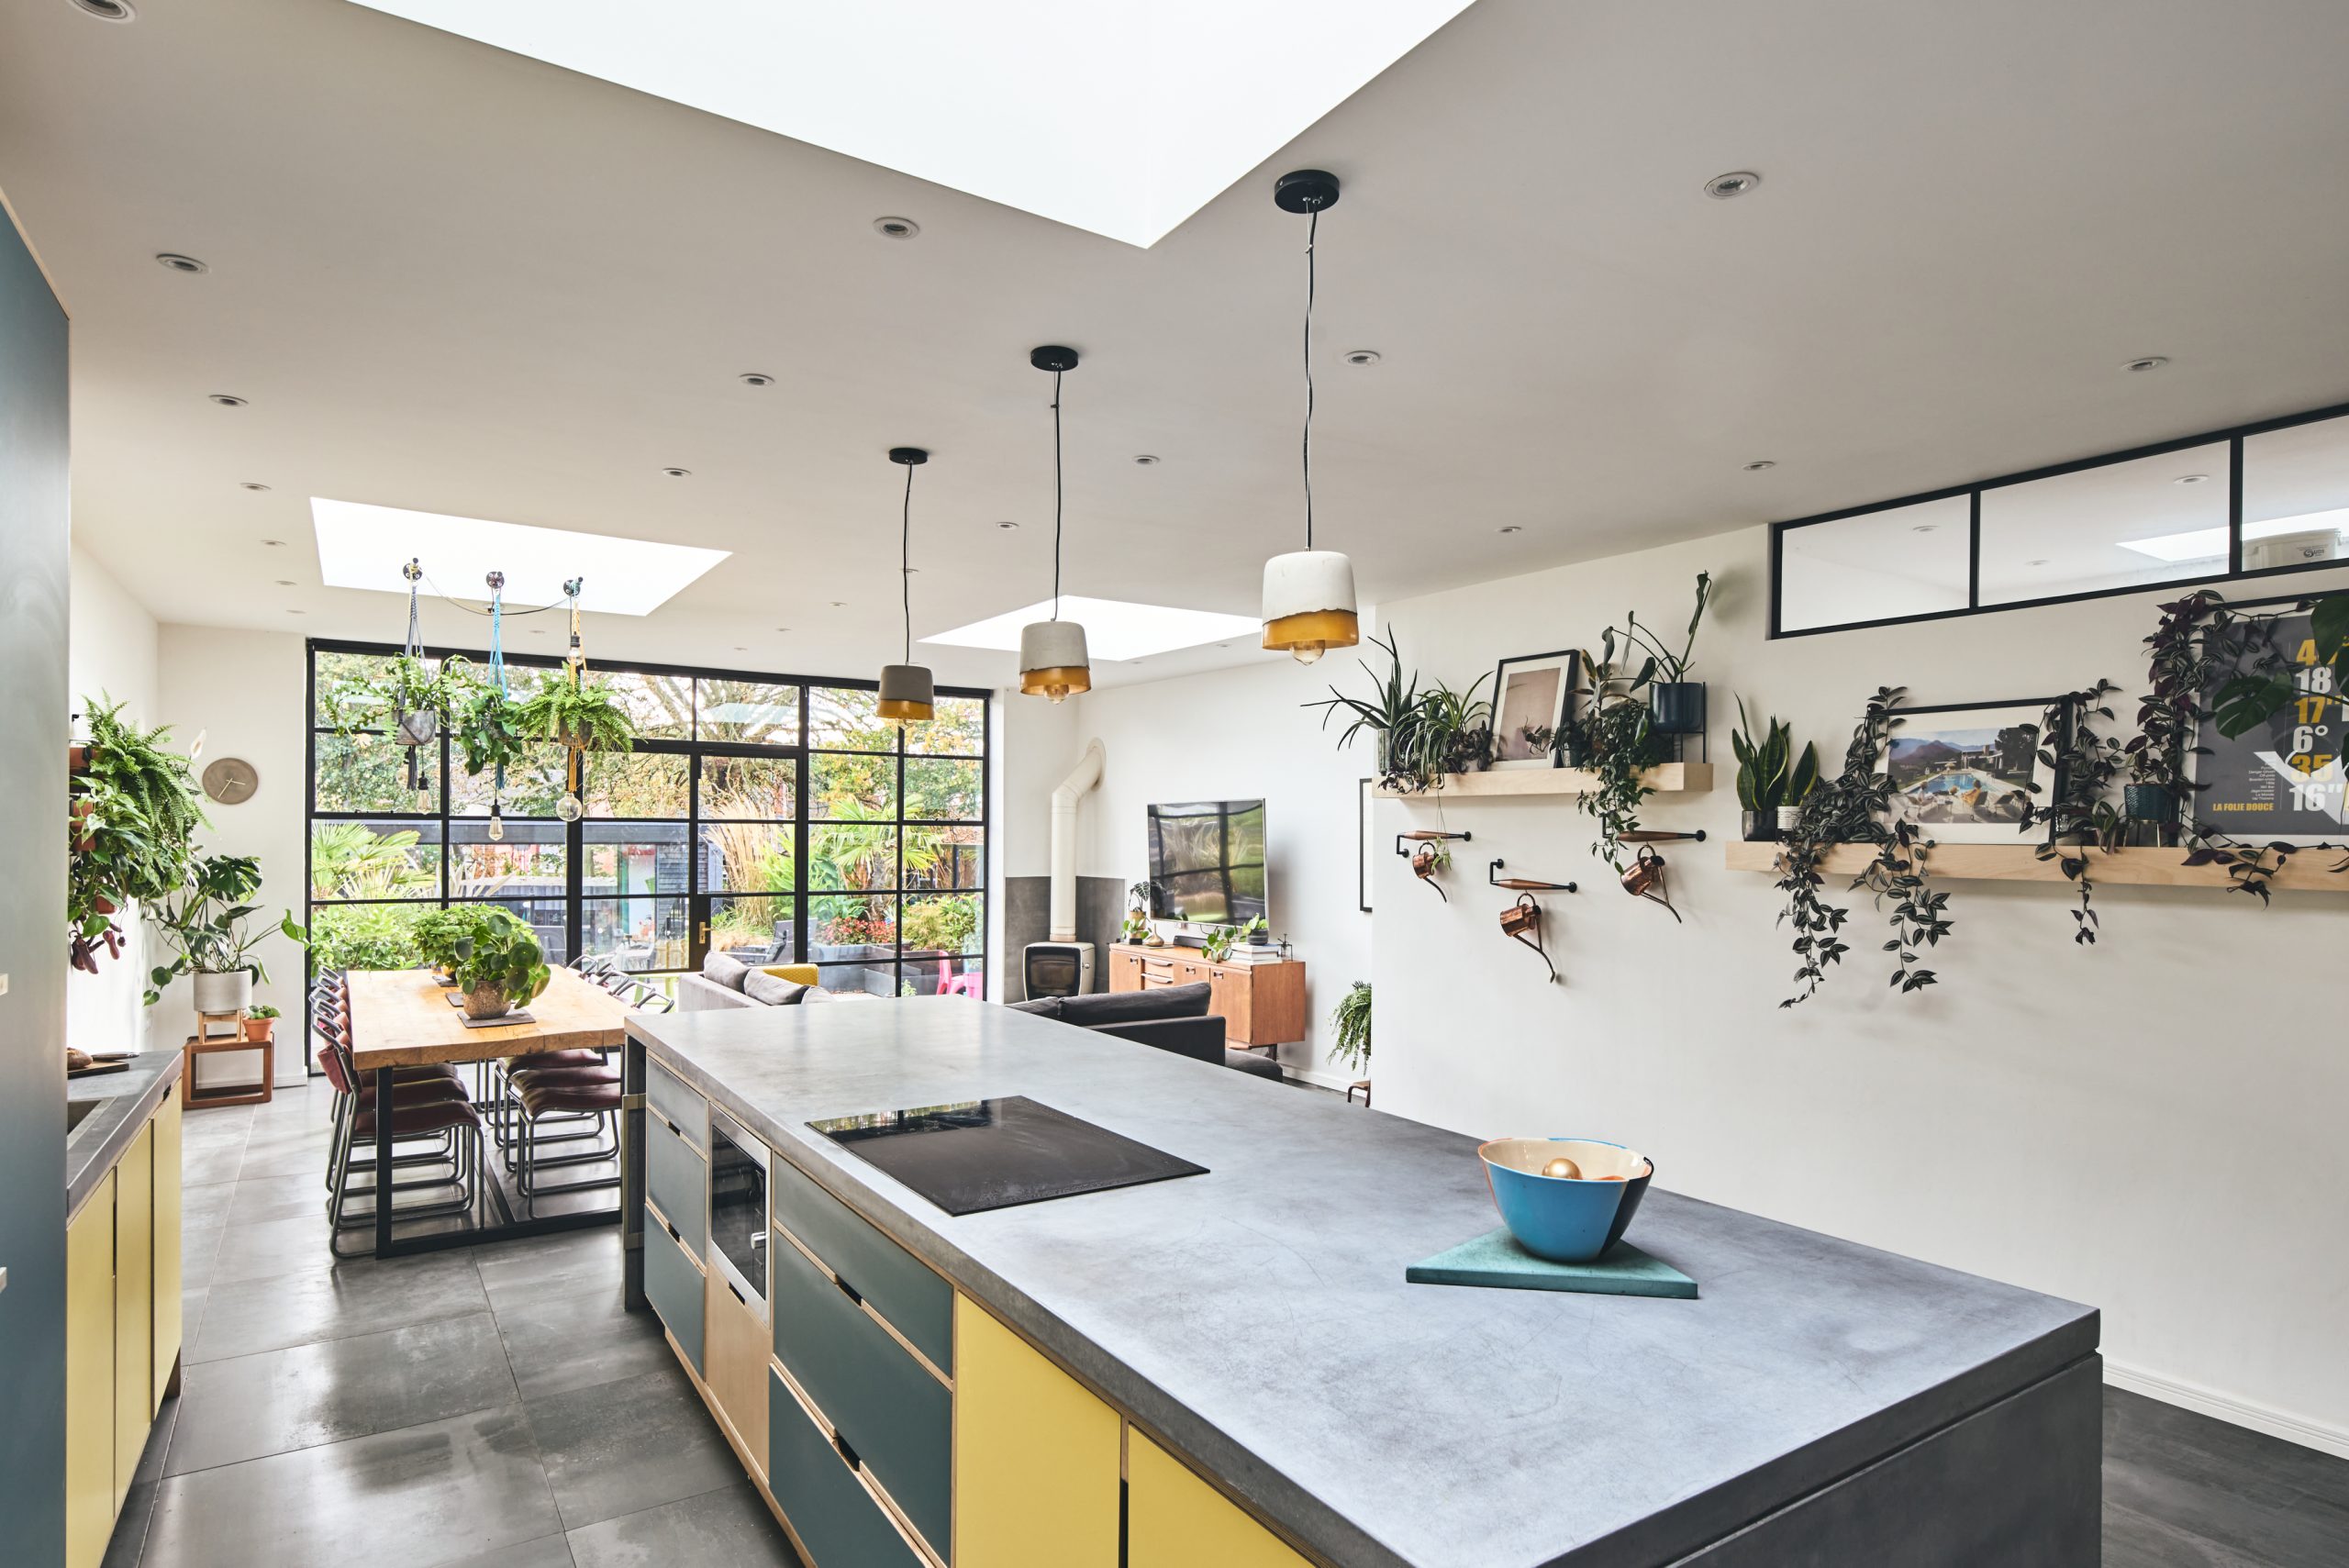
(402, 684)
(1622, 748)
(1842, 810)
(2079, 815)
(1919, 915)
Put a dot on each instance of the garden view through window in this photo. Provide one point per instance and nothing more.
(780, 820)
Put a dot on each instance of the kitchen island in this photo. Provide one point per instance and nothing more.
(1229, 1367)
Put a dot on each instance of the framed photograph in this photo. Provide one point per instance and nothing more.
(2282, 782)
(1531, 697)
(1363, 796)
(1969, 773)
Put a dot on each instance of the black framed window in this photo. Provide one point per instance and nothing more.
(2255, 501)
(778, 818)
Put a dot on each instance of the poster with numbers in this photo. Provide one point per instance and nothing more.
(2282, 780)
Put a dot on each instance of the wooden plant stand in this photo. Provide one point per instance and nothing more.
(204, 1042)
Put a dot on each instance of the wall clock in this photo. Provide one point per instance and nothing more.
(230, 781)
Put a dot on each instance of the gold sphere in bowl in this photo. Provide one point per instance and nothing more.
(1562, 1166)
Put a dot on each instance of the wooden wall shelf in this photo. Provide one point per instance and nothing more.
(2308, 871)
(1670, 778)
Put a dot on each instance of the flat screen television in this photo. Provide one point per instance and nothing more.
(1207, 862)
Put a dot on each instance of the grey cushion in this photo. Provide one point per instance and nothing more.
(720, 969)
(1249, 1062)
(816, 994)
(1042, 1006)
(1132, 1006)
(771, 989)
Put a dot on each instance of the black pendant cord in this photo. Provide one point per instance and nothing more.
(906, 563)
(1057, 485)
(1312, 226)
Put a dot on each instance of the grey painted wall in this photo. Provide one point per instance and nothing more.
(33, 735)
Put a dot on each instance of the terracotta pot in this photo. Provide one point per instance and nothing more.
(259, 1031)
(487, 1002)
(102, 904)
(77, 759)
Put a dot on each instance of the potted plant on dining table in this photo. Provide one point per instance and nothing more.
(500, 965)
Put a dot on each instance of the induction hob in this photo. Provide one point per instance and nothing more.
(974, 1155)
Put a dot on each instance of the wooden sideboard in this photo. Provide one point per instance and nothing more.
(1260, 1003)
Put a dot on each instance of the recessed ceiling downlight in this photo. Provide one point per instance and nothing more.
(1146, 460)
(756, 378)
(1362, 356)
(1759, 464)
(251, 484)
(895, 228)
(678, 472)
(1006, 527)
(2148, 363)
(225, 399)
(2191, 479)
(179, 264)
(107, 10)
(1736, 183)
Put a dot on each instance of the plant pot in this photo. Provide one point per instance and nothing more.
(1260, 939)
(259, 1031)
(77, 759)
(231, 992)
(2149, 802)
(487, 1002)
(1573, 751)
(1789, 818)
(1759, 826)
(418, 728)
(1677, 707)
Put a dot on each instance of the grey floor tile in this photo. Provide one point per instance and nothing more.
(561, 1342)
(327, 1393)
(547, 1552)
(621, 1447)
(421, 1498)
(358, 1295)
(568, 1265)
(725, 1528)
(214, 1163)
(256, 1199)
(2134, 1540)
(206, 1204)
(2203, 1486)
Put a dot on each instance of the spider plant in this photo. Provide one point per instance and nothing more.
(1393, 714)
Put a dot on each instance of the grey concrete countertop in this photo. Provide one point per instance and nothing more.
(1258, 1316)
(127, 1099)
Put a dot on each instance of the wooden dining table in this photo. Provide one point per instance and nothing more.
(400, 1018)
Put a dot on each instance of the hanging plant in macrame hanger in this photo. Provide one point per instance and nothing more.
(417, 722)
(579, 714)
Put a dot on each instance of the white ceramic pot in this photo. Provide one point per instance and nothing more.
(1789, 818)
(228, 993)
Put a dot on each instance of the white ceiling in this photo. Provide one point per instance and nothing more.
(1120, 117)
(456, 280)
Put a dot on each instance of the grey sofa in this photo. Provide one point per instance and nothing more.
(1171, 1017)
(726, 982)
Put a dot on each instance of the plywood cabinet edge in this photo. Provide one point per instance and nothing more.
(1666, 778)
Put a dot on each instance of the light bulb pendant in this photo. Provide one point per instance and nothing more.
(569, 808)
(496, 823)
(1309, 603)
(907, 696)
(1053, 661)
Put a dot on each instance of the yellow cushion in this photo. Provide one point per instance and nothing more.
(798, 973)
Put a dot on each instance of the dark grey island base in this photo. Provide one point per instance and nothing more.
(1821, 1403)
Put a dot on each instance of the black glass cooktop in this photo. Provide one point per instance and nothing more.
(981, 1154)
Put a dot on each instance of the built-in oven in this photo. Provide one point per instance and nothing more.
(738, 1211)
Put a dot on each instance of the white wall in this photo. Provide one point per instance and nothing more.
(245, 692)
(2150, 1124)
(1234, 734)
(112, 642)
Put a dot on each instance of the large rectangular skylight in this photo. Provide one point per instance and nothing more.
(361, 546)
(2210, 544)
(1120, 117)
(1114, 629)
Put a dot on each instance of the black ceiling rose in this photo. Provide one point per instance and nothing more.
(909, 456)
(1307, 190)
(1053, 357)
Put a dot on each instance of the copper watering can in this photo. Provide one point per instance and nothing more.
(1521, 921)
(1643, 878)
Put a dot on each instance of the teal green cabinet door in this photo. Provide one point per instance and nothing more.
(836, 1519)
(676, 1290)
(918, 1302)
(676, 1178)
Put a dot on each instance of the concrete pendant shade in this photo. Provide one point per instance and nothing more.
(907, 693)
(1309, 603)
(1053, 659)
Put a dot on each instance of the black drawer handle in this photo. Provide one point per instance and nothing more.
(674, 1234)
(848, 1454)
(736, 1294)
(848, 1290)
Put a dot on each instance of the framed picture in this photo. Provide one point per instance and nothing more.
(2283, 781)
(1969, 773)
(1531, 697)
(1363, 797)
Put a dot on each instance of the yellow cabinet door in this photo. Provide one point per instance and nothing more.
(167, 1249)
(89, 1380)
(1035, 1456)
(134, 1306)
(1174, 1519)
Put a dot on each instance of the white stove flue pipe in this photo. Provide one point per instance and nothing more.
(1062, 927)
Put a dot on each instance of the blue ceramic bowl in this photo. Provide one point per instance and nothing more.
(1567, 1219)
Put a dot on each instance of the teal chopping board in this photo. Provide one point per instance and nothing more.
(1495, 1260)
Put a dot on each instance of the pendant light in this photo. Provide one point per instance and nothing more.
(1309, 593)
(496, 583)
(1053, 659)
(907, 695)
